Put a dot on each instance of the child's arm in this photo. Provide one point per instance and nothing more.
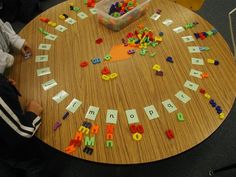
(23, 123)
(14, 39)
(6, 60)
(16, 127)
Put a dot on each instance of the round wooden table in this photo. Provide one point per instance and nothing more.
(136, 87)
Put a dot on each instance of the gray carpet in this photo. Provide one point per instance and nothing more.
(216, 12)
(217, 151)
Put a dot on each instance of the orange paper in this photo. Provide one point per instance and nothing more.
(120, 52)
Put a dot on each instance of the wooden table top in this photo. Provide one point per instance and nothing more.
(136, 87)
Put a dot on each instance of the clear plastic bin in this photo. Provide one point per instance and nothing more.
(117, 23)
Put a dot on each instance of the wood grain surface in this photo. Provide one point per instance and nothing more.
(193, 4)
(136, 87)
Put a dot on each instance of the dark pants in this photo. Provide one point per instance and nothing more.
(27, 168)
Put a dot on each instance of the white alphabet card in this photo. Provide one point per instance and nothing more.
(151, 112)
(92, 113)
(111, 117)
(132, 116)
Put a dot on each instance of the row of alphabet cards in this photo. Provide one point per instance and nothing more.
(131, 114)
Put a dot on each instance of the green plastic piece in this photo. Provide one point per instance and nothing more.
(130, 4)
(76, 9)
(89, 141)
(131, 40)
(109, 143)
(209, 33)
(116, 14)
(189, 25)
(153, 54)
(146, 29)
(143, 52)
(107, 57)
(43, 31)
(154, 44)
(180, 117)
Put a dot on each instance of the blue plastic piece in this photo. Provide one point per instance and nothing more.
(216, 62)
(96, 60)
(170, 59)
(161, 34)
(196, 35)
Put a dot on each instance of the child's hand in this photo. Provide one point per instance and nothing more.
(35, 107)
(26, 51)
(12, 82)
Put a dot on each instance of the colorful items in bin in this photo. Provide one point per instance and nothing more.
(204, 35)
(63, 16)
(213, 103)
(212, 61)
(116, 24)
(190, 25)
(73, 8)
(142, 39)
(120, 8)
(46, 20)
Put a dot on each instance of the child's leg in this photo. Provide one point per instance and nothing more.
(6, 170)
(33, 168)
